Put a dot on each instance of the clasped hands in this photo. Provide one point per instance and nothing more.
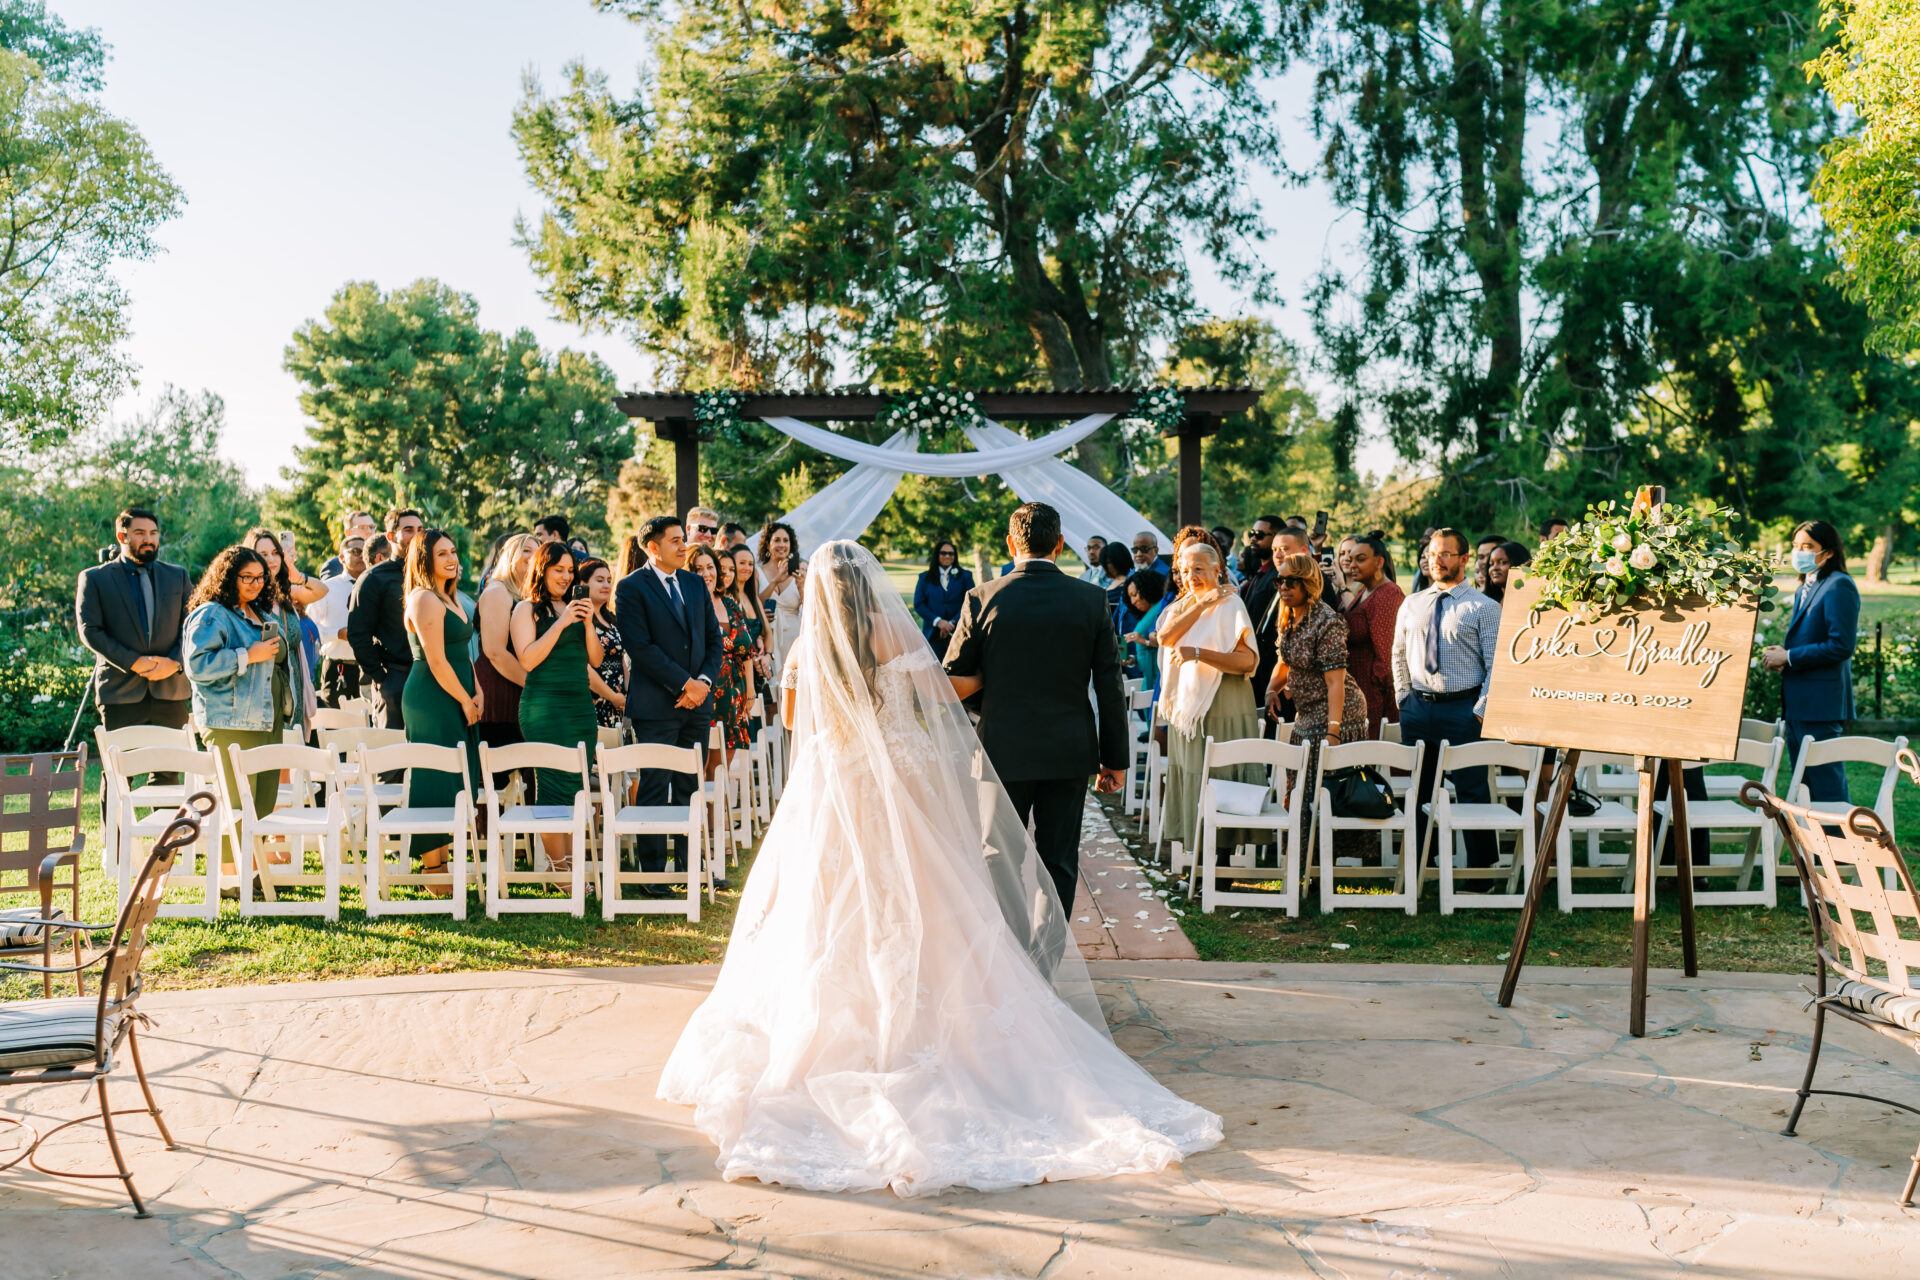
(154, 667)
(1775, 657)
(692, 694)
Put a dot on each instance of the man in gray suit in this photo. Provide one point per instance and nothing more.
(131, 610)
(1029, 643)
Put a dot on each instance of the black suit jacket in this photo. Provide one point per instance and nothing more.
(1036, 637)
(377, 621)
(665, 647)
(1258, 596)
(107, 607)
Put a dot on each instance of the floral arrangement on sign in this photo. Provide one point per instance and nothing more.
(935, 410)
(1162, 408)
(1650, 551)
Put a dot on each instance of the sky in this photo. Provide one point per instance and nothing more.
(320, 144)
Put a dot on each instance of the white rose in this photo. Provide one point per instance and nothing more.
(1642, 557)
(1623, 542)
(1617, 567)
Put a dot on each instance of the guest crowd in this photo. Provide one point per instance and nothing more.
(686, 626)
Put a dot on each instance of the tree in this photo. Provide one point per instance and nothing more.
(79, 193)
(982, 193)
(1869, 187)
(57, 507)
(412, 402)
(1588, 258)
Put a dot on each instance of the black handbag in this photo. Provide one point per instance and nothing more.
(1359, 791)
(1582, 803)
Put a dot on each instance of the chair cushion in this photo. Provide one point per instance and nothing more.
(1901, 1011)
(1242, 798)
(15, 932)
(48, 1033)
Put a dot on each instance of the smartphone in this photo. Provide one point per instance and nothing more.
(1319, 525)
(286, 540)
(578, 592)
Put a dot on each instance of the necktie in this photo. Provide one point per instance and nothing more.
(1433, 634)
(673, 594)
(143, 596)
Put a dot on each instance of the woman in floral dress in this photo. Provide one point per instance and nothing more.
(608, 680)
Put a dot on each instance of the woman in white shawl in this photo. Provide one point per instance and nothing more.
(1206, 658)
(902, 1004)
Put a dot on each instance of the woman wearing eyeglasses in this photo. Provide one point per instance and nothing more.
(237, 655)
(941, 591)
(1328, 704)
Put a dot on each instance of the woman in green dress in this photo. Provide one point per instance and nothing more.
(744, 595)
(440, 699)
(554, 638)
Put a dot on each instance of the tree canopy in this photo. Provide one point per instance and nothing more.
(1869, 187)
(79, 193)
(412, 402)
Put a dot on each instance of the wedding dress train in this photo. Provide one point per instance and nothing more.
(901, 1003)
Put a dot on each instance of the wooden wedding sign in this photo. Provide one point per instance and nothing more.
(1661, 683)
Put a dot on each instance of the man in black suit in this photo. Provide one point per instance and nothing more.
(377, 622)
(131, 610)
(674, 647)
(1028, 643)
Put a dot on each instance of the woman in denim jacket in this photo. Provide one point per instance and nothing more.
(237, 648)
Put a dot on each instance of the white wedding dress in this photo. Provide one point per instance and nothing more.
(901, 1003)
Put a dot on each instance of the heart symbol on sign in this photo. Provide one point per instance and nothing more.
(1603, 639)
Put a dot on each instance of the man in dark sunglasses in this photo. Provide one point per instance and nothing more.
(703, 526)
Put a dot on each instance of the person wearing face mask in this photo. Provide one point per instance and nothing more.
(1815, 658)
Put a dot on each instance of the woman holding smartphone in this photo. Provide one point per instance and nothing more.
(554, 638)
(238, 662)
(285, 587)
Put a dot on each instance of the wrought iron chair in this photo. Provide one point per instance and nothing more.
(1866, 933)
(49, 785)
(46, 1041)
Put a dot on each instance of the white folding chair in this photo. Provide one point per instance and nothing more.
(1878, 752)
(358, 791)
(1386, 757)
(336, 718)
(322, 823)
(1281, 811)
(507, 824)
(138, 818)
(1449, 820)
(1140, 730)
(713, 792)
(386, 868)
(689, 820)
(148, 795)
(1760, 834)
(1613, 817)
(760, 764)
(1766, 732)
(358, 706)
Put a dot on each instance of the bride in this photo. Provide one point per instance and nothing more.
(902, 1004)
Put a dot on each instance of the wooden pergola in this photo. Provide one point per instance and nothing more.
(671, 414)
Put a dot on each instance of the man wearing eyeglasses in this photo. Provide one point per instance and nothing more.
(1443, 647)
(703, 526)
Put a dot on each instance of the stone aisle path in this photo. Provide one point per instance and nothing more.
(1120, 911)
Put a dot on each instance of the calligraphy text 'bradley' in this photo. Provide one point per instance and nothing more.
(1635, 646)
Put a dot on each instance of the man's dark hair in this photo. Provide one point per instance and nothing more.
(1547, 525)
(656, 529)
(1224, 536)
(1299, 520)
(559, 526)
(1117, 555)
(379, 547)
(1460, 543)
(395, 516)
(731, 528)
(124, 521)
(1272, 522)
(1034, 528)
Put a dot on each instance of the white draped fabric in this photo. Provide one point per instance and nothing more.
(1087, 508)
(986, 462)
(846, 507)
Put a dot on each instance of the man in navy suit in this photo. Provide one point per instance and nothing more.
(1815, 658)
(673, 645)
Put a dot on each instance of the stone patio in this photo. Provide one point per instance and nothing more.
(1381, 1121)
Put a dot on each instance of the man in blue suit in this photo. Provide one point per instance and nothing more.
(1815, 658)
(673, 645)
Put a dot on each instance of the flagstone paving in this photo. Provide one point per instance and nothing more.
(1120, 909)
(1381, 1121)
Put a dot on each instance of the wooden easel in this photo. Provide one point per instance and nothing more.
(1646, 863)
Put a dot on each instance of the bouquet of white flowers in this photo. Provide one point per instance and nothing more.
(1660, 553)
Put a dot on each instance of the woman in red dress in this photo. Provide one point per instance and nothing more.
(1370, 619)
